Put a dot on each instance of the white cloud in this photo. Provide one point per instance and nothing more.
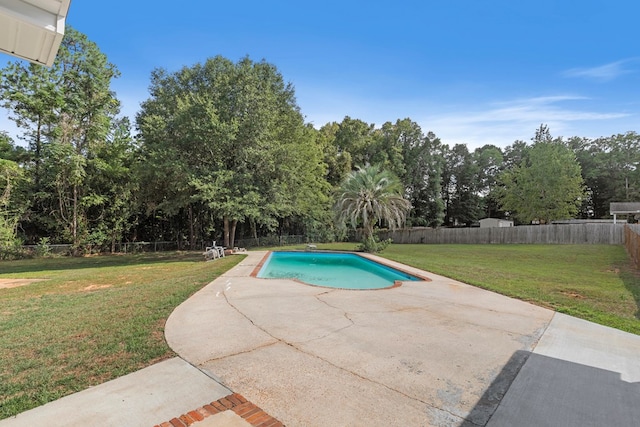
(606, 72)
(538, 109)
(505, 122)
(473, 123)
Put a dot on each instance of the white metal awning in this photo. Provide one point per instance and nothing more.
(32, 29)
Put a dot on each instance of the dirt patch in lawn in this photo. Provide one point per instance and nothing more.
(95, 287)
(14, 283)
(573, 294)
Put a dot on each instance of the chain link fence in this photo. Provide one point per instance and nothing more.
(271, 241)
(161, 246)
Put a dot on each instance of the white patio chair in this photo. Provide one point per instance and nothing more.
(212, 252)
(220, 250)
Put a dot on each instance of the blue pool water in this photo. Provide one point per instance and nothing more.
(334, 270)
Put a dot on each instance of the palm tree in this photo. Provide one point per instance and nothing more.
(369, 195)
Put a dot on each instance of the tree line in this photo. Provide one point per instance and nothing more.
(220, 150)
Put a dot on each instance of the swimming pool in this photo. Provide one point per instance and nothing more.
(333, 270)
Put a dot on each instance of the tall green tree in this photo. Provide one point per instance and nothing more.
(172, 125)
(515, 154)
(64, 112)
(31, 93)
(112, 190)
(356, 137)
(231, 138)
(422, 178)
(546, 185)
(589, 156)
(8, 149)
(618, 167)
(10, 212)
(337, 160)
(386, 148)
(611, 170)
(369, 196)
(489, 161)
(87, 114)
(460, 190)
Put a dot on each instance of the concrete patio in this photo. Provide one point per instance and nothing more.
(438, 353)
(426, 353)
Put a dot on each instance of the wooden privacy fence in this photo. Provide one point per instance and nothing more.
(632, 243)
(606, 234)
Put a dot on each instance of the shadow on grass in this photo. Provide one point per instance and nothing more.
(98, 261)
(631, 279)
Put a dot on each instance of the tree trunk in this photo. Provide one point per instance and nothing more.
(74, 226)
(229, 232)
(38, 150)
(226, 231)
(192, 237)
(232, 244)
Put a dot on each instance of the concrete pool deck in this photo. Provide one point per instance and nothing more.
(439, 353)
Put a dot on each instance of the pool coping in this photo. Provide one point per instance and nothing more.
(369, 257)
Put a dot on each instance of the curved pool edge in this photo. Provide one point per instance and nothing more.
(406, 269)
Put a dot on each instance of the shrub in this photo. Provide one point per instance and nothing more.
(43, 249)
(373, 244)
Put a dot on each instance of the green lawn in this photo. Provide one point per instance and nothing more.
(91, 320)
(97, 318)
(593, 282)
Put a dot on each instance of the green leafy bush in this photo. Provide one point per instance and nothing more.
(43, 250)
(373, 244)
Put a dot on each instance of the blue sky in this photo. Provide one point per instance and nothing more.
(471, 71)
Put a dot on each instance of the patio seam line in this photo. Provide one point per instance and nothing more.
(428, 309)
(533, 347)
(346, 315)
(213, 359)
(342, 368)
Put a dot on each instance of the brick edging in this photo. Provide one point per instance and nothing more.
(234, 402)
(256, 270)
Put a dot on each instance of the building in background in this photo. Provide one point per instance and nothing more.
(495, 222)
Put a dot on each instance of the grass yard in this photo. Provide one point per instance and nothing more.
(97, 318)
(93, 319)
(593, 282)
